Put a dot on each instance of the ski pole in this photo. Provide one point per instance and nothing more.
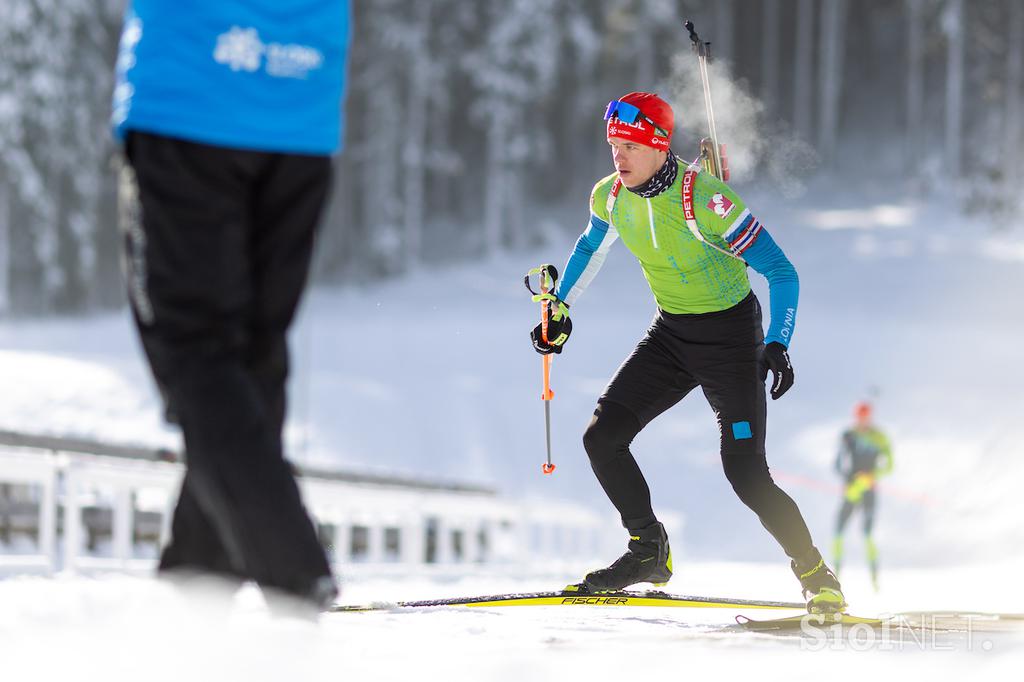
(547, 275)
(714, 157)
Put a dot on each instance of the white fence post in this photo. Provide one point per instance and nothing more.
(123, 478)
(413, 545)
(72, 519)
(28, 468)
(121, 526)
(48, 516)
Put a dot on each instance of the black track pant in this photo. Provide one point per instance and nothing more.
(721, 353)
(218, 246)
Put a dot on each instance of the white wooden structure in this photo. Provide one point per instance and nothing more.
(75, 506)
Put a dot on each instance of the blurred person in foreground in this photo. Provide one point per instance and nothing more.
(694, 238)
(229, 113)
(864, 456)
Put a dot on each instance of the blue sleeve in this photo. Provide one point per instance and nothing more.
(765, 256)
(586, 259)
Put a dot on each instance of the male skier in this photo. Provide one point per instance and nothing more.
(694, 239)
(864, 455)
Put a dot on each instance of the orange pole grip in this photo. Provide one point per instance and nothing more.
(548, 394)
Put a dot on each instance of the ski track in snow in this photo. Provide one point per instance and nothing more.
(122, 628)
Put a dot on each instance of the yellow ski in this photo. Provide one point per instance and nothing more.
(575, 598)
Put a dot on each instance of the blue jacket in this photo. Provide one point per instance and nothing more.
(265, 75)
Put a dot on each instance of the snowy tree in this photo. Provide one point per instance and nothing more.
(402, 106)
(5, 249)
(1014, 125)
(725, 19)
(470, 124)
(422, 77)
(802, 70)
(953, 26)
(831, 75)
(770, 56)
(55, 81)
(915, 79)
(581, 96)
(31, 66)
(512, 70)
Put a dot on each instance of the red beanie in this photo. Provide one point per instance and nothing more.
(642, 132)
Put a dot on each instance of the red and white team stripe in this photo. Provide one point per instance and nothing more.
(746, 237)
(737, 225)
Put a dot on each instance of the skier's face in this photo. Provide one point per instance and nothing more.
(636, 163)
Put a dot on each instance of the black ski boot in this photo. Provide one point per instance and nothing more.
(648, 560)
(821, 586)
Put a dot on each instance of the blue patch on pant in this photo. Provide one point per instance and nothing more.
(741, 430)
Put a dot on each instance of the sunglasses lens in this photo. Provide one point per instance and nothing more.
(627, 112)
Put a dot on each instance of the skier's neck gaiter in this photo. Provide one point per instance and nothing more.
(660, 181)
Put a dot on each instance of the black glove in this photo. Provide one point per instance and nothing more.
(559, 327)
(776, 359)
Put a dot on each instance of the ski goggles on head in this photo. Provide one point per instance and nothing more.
(628, 113)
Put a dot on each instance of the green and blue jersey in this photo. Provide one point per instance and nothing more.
(693, 241)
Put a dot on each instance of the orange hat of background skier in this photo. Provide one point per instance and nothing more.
(653, 107)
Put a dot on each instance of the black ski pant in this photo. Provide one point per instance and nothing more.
(218, 246)
(721, 353)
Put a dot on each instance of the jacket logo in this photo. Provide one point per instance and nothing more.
(241, 49)
(595, 601)
(688, 177)
(721, 205)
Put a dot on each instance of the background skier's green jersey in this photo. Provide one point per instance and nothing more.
(685, 275)
(864, 450)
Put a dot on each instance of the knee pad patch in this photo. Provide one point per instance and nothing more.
(742, 430)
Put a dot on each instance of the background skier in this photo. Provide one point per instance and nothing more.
(864, 455)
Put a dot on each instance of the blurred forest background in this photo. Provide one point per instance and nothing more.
(474, 126)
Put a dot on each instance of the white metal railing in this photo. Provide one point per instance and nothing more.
(105, 480)
(22, 467)
(444, 527)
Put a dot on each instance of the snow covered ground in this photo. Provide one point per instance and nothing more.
(119, 628)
